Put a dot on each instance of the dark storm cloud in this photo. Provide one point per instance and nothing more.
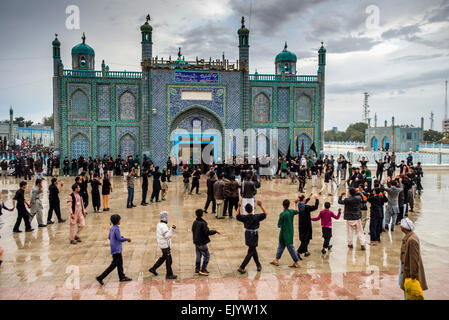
(210, 40)
(439, 14)
(387, 85)
(405, 33)
(337, 23)
(419, 57)
(351, 44)
(270, 16)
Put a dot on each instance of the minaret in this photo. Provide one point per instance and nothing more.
(57, 73)
(147, 40)
(147, 53)
(321, 80)
(11, 127)
(244, 69)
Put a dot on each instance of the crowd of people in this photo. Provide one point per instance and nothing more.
(231, 188)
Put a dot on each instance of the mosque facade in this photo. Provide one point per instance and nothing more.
(173, 106)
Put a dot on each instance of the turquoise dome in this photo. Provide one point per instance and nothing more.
(286, 56)
(146, 27)
(83, 48)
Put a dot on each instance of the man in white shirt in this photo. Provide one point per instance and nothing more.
(163, 237)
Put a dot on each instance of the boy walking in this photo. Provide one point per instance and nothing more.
(201, 235)
(163, 236)
(326, 224)
(115, 240)
(285, 223)
(77, 214)
(22, 212)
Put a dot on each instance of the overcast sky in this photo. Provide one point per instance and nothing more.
(402, 61)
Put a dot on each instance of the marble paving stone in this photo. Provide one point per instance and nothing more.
(38, 265)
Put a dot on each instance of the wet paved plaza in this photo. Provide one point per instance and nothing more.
(43, 265)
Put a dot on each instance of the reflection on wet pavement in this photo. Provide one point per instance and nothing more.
(42, 264)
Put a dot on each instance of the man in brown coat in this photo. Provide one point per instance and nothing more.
(411, 262)
(231, 193)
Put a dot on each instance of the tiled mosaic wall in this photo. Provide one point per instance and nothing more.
(166, 99)
(103, 97)
(283, 100)
(104, 101)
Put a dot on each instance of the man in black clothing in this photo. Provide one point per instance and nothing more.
(144, 176)
(156, 184)
(251, 223)
(380, 169)
(22, 212)
(408, 195)
(305, 223)
(50, 166)
(53, 200)
(377, 200)
(169, 169)
(201, 235)
(66, 166)
(302, 178)
(196, 180)
(210, 192)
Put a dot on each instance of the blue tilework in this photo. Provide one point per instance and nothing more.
(127, 146)
(79, 146)
(233, 112)
(177, 105)
(261, 103)
(160, 80)
(127, 106)
(126, 101)
(283, 140)
(283, 97)
(104, 141)
(73, 90)
(304, 98)
(104, 101)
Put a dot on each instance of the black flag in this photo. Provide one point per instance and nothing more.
(289, 156)
(312, 147)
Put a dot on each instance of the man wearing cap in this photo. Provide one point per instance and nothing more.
(163, 236)
(411, 262)
(36, 203)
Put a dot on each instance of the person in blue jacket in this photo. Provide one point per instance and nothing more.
(116, 240)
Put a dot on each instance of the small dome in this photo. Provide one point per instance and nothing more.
(286, 56)
(146, 27)
(83, 48)
(322, 49)
(243, 30)
(56, 42)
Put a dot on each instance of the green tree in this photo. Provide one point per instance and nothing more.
(20, 121)
(48, 121)
(432, 136)
(354, 132)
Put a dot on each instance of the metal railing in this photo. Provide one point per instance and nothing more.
(434, 145)
(346, 143)
(102, 74)
(286, 78)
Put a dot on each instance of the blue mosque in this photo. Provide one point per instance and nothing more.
(172, 106)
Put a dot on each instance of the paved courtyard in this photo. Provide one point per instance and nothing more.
(43, 265)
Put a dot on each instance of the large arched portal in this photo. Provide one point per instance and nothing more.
(196, 134)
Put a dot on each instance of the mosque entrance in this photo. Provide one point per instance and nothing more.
(200, 148)
(196, 135)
